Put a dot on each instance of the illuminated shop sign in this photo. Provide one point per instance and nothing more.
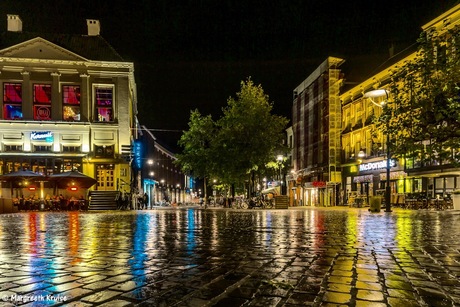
(137, 153)
(41, 136)
(376, 165)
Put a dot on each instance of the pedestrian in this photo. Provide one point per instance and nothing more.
(145, 200)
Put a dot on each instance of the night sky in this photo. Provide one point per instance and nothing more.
(194, 54)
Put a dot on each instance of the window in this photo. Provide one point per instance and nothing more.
(104, 103)
(104, 151)
(71, 148)
(12, 101)
(42, 148)
(12, 148)
(71, 103)
(42, 102)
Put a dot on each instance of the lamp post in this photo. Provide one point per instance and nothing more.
(280, 159)
(373, 94)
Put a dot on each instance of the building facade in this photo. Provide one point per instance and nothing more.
(359, 153)
(69, 103)
(161, 178)
(365, 153)
(364, 147)
(316, 124)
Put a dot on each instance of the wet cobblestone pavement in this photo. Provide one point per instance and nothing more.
(224, 257)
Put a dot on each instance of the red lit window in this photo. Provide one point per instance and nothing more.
(12, 101)
(42, 102)
(42, 93)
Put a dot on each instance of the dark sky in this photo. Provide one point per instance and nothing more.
(194, 54)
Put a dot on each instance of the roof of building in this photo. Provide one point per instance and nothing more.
(359, 68)
(94, 48)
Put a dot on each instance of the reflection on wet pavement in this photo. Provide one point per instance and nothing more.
(195, 257)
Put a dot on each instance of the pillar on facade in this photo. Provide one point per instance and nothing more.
(84, 98)
(27, 104)
(56, 109)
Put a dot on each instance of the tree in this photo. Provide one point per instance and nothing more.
(196, 142)
(249, 135)
(243, 140)
(423, 112)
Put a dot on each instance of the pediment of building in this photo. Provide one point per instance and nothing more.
(39, 48)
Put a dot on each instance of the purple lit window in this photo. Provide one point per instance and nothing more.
(104, 104)
(12, 101)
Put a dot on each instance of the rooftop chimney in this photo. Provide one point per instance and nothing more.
(94, 27)
(14, 23)
(392, 50)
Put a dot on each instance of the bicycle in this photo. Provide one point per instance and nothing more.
(260, 202)
(240, 203)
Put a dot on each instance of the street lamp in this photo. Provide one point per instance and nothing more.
(374, 94)
(280, 159)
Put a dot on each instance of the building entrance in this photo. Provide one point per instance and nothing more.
(105, 177)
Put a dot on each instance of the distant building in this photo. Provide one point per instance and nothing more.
(161, 178)
(316, 127)
(69, 103)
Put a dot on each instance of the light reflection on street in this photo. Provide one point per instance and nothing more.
(134, 243)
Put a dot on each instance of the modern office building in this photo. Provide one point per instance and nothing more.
(69, 103)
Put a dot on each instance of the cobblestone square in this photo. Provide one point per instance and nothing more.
(226, 257)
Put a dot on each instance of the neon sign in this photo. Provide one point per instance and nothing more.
(41, 136)
(137, 152)
(376, 165)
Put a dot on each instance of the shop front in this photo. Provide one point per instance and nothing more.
(367, 179)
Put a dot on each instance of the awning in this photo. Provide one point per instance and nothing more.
(274, 190)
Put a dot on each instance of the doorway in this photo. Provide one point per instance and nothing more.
(105, 177)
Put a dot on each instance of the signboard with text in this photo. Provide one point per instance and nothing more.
(46, 136)
(376, 165)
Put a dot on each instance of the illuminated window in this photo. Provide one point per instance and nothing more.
(12, 148)
(42, 148)
(71, 148)
(42, 102)
(104, 103)
(104, 151)
(12, 101)
(71, 103)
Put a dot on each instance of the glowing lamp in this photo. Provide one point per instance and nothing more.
(73, 189)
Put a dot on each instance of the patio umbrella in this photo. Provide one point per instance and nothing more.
(72, 178)
(22, 175)
(15, 177)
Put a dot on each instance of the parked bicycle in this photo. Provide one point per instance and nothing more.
(261, 202)
(240, 203)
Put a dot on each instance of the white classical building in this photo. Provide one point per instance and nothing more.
(69, 103)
